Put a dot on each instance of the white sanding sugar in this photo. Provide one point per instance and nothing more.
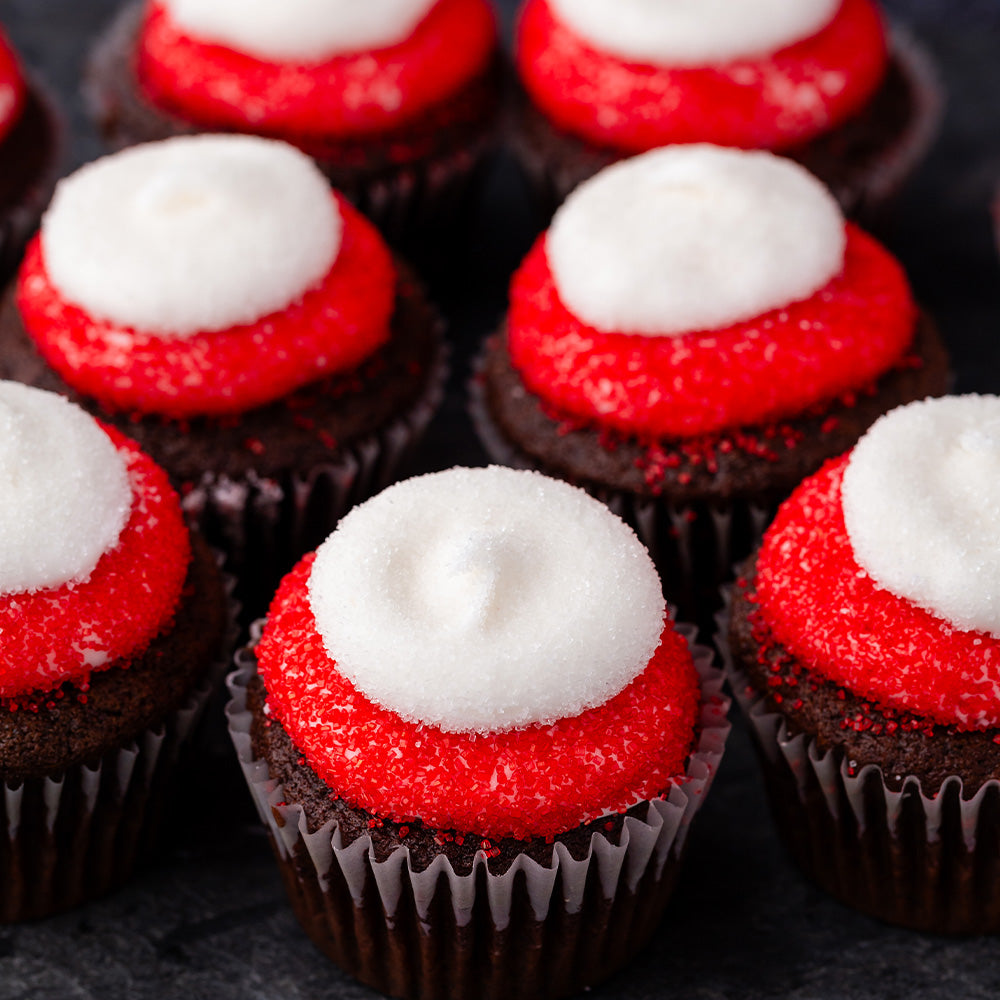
(300, 30)
(693, 32)
(191, 234)
(64, 491)
(486, 599)
(690, 238)
(921, 497)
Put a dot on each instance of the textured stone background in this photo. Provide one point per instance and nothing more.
(209, 920)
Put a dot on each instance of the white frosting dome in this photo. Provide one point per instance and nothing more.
(64, 491)
(690, 238)
(486, 599)
(692, 32)
(921, 497)
(302, 30)
(191, 234)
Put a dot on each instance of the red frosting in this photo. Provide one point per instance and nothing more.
(832, 617)
(12, 90)
(524, 783)
(346, 96)
(775, 101)
(63, 634)
(332, 328)
(849, 332)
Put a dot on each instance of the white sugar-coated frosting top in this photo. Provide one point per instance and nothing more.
(300, 30)
(191, 234)
(921, 496)
(692, 32)
(696, 237)
(64, 491)
(486, 599)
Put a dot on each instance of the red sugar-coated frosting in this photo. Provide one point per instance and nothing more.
(849, 332)
(832, 617)
(523, 783)
(346, 96)
(332, 328)
(63, 634)
(12, 90)
(775, 101)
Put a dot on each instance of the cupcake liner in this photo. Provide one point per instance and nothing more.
(536, 930)
(694, 545)
(924, 860)
(77, 835)
(19, 221)
(264, 524)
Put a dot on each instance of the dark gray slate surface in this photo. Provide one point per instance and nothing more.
(209, 919)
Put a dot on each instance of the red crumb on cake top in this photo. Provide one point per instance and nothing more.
(63, 634)
(332, 328)
(848, 333)
(530, 782)
(776, 101)
(12, 90)
(346, 96)
(827, 611)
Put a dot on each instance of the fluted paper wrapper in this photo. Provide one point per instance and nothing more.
(928, 861)
(264, 525)
(694, 546)
(536, 930)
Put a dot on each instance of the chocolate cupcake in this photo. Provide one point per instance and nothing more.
(818, 81)
(396, 100)
(213, 299)
(475, 740)
(864, 650)
(29, 149)
(112, 623)
(697, 332)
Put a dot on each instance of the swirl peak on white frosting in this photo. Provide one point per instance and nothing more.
(486, 599)
(689, 238)
(300, 30)
(693, 32)
(65, 495)
(922, 507)
(192, 234)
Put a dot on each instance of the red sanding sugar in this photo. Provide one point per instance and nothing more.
(774, 101)
(12, 91)
(62, 634)
(831, 616)
(332, 328)
(348, 95)
(847, 334)
(524, 783)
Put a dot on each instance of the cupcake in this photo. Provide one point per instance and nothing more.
(865, 643)
(29, 149)
(698, 331)
(396, 100)
(476, 739)
(111, 621)
(817, 80)
(212, 298)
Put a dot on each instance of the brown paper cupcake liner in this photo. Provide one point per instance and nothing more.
(924, 860)
(551, 173)
(694, 546)
(264, 524)
(78, 835)
(402, 199)
(535, 930)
